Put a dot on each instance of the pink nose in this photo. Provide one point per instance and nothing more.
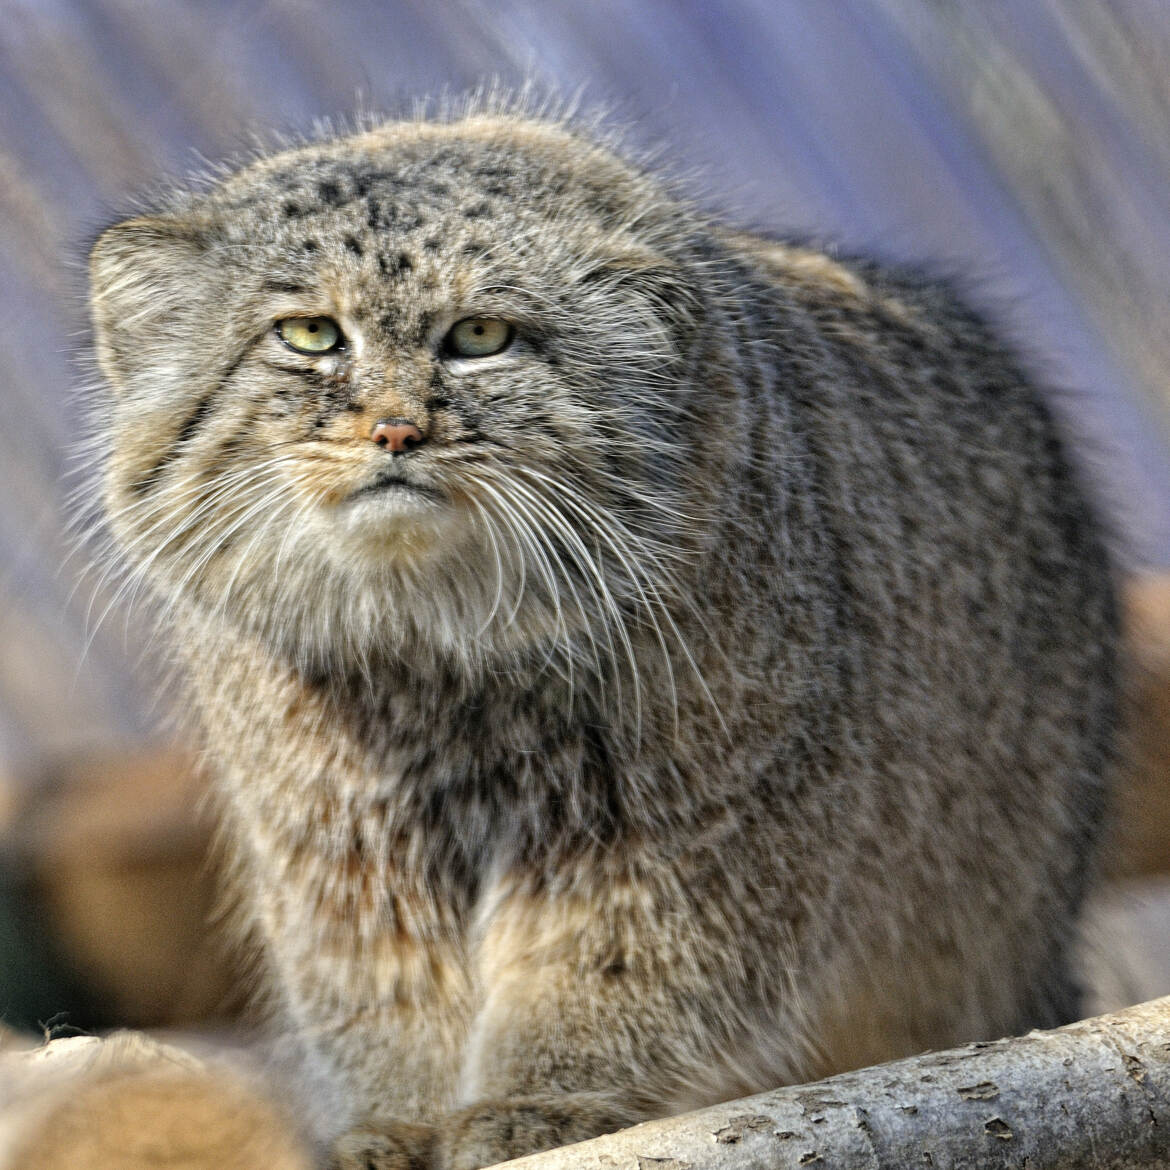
(396, 434)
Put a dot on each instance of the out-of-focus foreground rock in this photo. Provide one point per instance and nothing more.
(131, 1103)
(108, 898)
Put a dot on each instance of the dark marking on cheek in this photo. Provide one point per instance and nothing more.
(331, 406)
(284, 286)
(194, 420)
(186, 432)
(234, 444)
(310, 245)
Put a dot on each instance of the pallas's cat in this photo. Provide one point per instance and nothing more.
(643, 663)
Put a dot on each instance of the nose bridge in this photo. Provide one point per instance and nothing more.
(398, 391)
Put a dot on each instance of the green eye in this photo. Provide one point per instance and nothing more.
(478, 336)
(309, 334)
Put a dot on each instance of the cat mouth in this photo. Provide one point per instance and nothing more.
(391, 483)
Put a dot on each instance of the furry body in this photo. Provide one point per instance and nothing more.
(722, 697)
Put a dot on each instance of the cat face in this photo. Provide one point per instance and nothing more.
(427, 380)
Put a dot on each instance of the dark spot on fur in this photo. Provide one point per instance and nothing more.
(395, 265)
(379, 215)
(329, 192)
(310, 245)
(283, 286)
(364, 182)
(477, 210)
(474, 248)
(354, 246)
(432, 243)
(291, 210)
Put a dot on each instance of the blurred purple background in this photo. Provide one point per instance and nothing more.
(1019, 143)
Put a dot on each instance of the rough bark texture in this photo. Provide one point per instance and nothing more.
(1094, 1095)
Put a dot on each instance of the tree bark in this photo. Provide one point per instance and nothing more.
(1093, 1095)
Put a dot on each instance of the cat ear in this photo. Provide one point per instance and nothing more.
(143, 275)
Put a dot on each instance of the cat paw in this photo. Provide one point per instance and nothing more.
(390, 1147)
(495, 1131)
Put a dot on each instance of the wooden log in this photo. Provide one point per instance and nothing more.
(1091, 1096)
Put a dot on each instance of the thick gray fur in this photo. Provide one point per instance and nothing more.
(724, 697)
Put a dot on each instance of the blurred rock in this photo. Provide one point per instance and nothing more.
(109, 857)
(1142, 832)
(130, 1102)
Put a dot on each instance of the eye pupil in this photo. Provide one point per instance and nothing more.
(314, 328)
(478, 331)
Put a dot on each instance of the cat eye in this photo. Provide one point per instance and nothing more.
(309, 334)
(478, 337)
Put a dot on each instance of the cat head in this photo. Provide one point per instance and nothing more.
(430, 383)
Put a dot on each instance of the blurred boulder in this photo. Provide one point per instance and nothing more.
(1142, 831)
(130, 1102)
(106, 876)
